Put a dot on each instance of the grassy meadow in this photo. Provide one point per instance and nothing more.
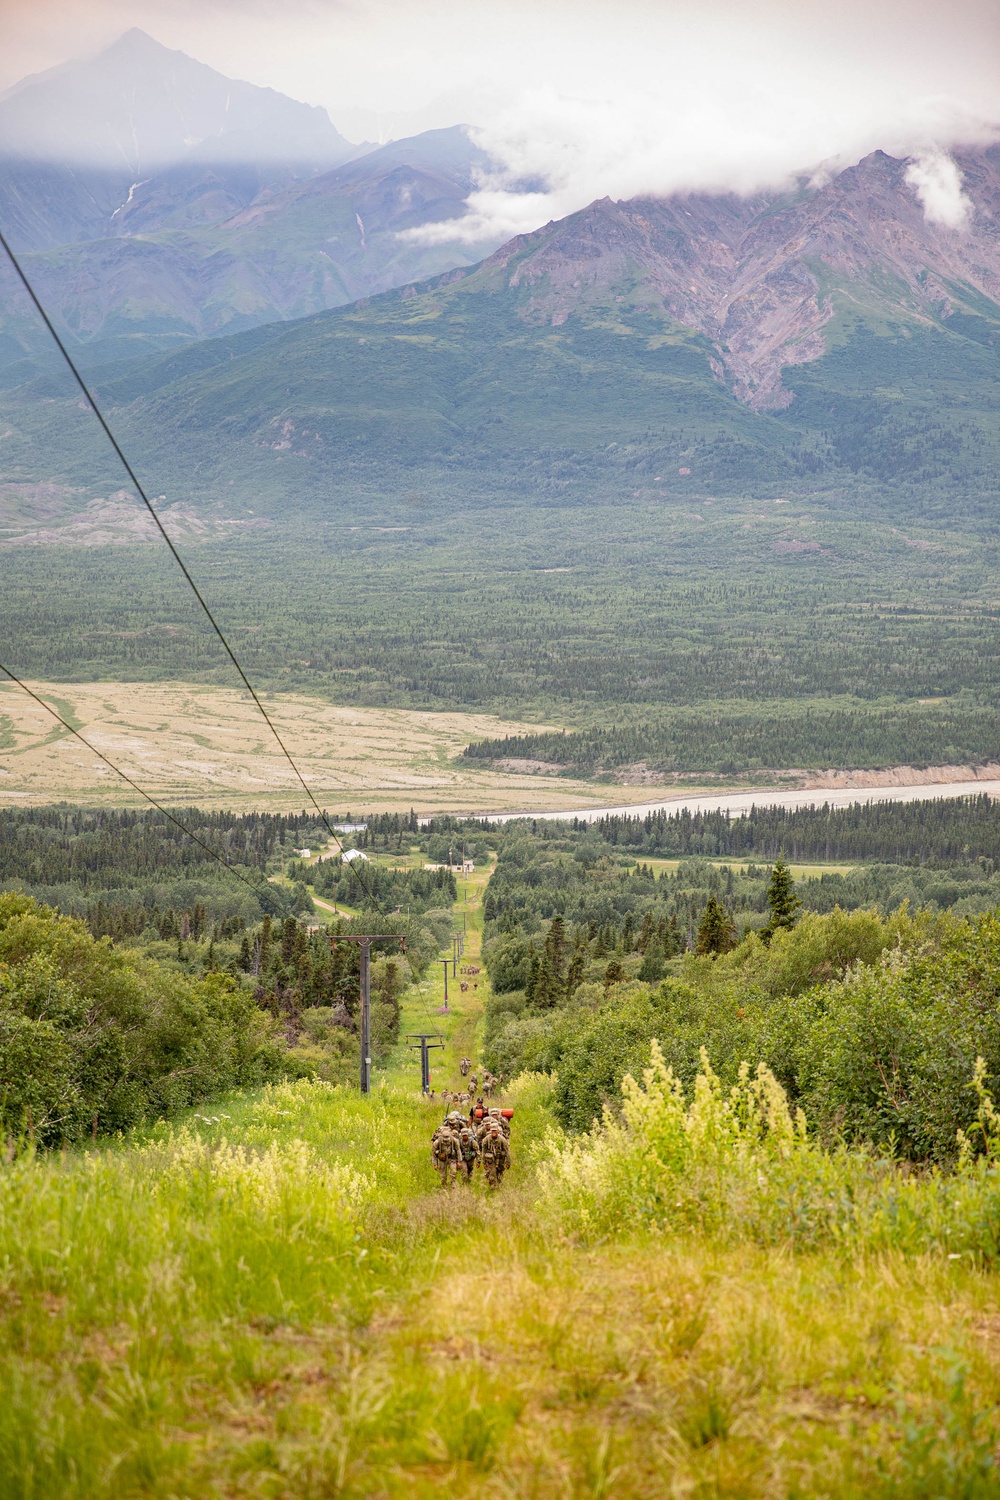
(273, 1298)
(190, 740)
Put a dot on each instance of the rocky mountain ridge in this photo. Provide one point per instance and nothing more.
(762, 277)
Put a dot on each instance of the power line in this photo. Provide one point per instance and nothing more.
(92, 403)
(126, 777)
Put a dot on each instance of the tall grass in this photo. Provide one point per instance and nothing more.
(738, 1165)
(274, 1301)
(136, 1280)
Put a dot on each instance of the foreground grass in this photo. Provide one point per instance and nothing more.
(275, 1301)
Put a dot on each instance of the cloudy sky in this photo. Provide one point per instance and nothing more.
(583, 98)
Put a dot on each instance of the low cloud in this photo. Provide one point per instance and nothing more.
(580, 99)
(938, 184)
(571, 151)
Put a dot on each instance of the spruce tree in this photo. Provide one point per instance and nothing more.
(781, 899)
(574, 974)
(549, 986)
(653, 963)
(613, 974)
(555, 944)
(715, 933)
(532, 980)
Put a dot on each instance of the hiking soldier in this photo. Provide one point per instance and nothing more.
(445, 1154)
(495, 1154)
(464, 1066)
(468, 1150)
(473, 1084)
(496, 1118)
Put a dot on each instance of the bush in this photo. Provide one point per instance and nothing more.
(613, 1041)
(882, 1053)
(508, 961)
(524, 1045)
(887, 1054)
(88, 1031)
(740, 1165)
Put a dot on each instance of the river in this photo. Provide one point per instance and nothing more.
(741, 802)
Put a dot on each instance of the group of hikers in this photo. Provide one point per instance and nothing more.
(460, 1142)
(469, 1093)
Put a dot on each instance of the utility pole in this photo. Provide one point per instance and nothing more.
(364, 942)
(425, 1041)
(454, 957)
(445, 962)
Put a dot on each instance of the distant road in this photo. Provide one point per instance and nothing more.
(742, 802)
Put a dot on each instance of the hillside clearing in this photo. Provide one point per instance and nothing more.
(272, 1298)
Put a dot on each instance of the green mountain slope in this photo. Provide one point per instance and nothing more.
(533, 485)
(834, 336)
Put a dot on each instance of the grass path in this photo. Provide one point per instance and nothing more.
(274, 1301)
(423, 1006)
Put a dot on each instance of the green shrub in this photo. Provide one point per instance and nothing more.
(92, 1033)
(738, 1164)
(889, 1051)
(882, 1052)
(524, 1045)
(508, 960)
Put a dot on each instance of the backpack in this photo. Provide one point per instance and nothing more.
(442, 1146)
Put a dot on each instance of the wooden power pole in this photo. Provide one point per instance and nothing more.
(425, 1041)
(364, 942)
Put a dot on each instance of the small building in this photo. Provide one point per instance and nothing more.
(350, 855)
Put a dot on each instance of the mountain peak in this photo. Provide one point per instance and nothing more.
(136, 37)
(136, 45)
(141, 106)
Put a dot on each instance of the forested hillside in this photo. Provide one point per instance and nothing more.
(735, 742)
(868, 994)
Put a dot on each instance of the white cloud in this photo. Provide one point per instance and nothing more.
(578, 99)
(938, 184)
(571, 151)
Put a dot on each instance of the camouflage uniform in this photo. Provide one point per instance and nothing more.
(445, 1154)
(496, 1155)
(496, 1118)
(468, 1149)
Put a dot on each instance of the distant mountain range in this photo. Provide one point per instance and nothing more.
(156, 202)
(830, 334)
(694, 343)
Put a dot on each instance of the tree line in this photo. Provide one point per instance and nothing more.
(947, 830)
(735, 743)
